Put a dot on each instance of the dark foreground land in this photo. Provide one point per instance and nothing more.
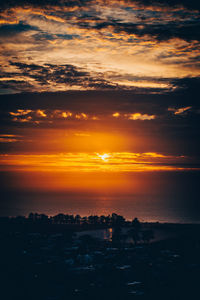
(51, 262)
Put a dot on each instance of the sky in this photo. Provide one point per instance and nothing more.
(100, 100)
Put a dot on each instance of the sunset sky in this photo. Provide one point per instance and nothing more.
(100, 100)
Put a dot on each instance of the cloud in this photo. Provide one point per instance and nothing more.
(139, 116)
(179, 111)
(116, 115)
(134, 116)
(9, 30)
(21, 112)
(41, 113)
(24, 120)
(40, 116)
(92, 162)
(84, 4)
(81, 116)
(27, 115)
(9, 138)
(164, 133)
(14, 86)
(97, 45)
(66, 114)
(50, 77)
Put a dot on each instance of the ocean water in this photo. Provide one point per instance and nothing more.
(163, 197)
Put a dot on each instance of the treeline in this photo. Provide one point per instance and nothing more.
(68, 219)
(68, 224)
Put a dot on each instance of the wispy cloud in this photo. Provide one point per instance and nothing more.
(40, 115)
(97, 45)
(179, 111)
(37, 116)
(92, 162)
(116, 115)
(21, 112)
(9, 138)
(81, 116)
(134, 116)
(139, 116)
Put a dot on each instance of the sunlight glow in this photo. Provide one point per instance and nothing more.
(104, 156)
(95, 162)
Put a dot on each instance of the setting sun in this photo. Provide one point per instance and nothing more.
(104, 156)
(100, 149)
(93, 95)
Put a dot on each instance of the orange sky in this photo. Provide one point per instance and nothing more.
(96, 94)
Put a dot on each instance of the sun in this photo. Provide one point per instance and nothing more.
(104, 156)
